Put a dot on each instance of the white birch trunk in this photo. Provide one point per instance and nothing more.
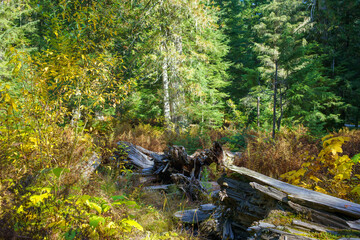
(165, 79)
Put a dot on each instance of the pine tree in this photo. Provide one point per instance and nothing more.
(337, 32)
(279, 48)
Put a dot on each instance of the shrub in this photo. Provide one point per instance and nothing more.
(144, 135)
(274, 157)
(330, 172)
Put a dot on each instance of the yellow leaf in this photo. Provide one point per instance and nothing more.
(315, 179)
(94, 206)
(20, 209)
(35, 199)
(339, 177)
(306, 164)
(319, 189)
(133, 223)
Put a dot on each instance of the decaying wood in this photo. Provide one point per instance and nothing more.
(191, 166)
(321, 217)
(159, 187)
(196, 215)
(303, 196)
(271, 233)
(310, 227)
(90, 166)
(245, 199)
(174, 160)
(270, 191)
(263, 230)
(189, 185)
(135, 156)
(251, 196)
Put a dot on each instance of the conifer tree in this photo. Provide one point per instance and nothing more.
(278, 47)
(179, 55)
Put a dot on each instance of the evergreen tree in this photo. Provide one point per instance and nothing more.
(238, 19)
(279, 22)
(337, 31)
(179, 55)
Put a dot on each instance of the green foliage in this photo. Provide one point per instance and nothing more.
(180, 40)
(16, 28)
(236, 142)
(356, 158)
(40, 212)
(68, 67)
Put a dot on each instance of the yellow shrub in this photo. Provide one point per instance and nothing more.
(330, 172)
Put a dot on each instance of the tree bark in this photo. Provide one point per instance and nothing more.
(258, 111)
(165, 78)
(281, 111)
(274, 107)
(176, 93)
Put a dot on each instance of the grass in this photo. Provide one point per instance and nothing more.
(156, 208)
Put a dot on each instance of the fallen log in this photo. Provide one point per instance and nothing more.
(174, 160)
(191, 166)
(303, 196)
(250, 197)
(134, 155)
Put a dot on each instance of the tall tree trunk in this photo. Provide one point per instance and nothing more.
(281, 111)
(258, 104)
(274, 107)
(258, 111)
(165, 79)
(177, 93)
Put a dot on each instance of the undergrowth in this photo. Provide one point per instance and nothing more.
(330, 165)
(156, 139)
(332, 171)
(274, 157)
(45, 193)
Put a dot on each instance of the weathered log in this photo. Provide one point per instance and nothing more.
(196, 215)
(159, 187)
(190, 166)
(271, 233)
(272, 192)
(178, 157)
(190, 186)
(310, 227)
(321, 217)
(90, 166)
(303, 196)
(246, 204)
(136, 157)
(252, 197)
